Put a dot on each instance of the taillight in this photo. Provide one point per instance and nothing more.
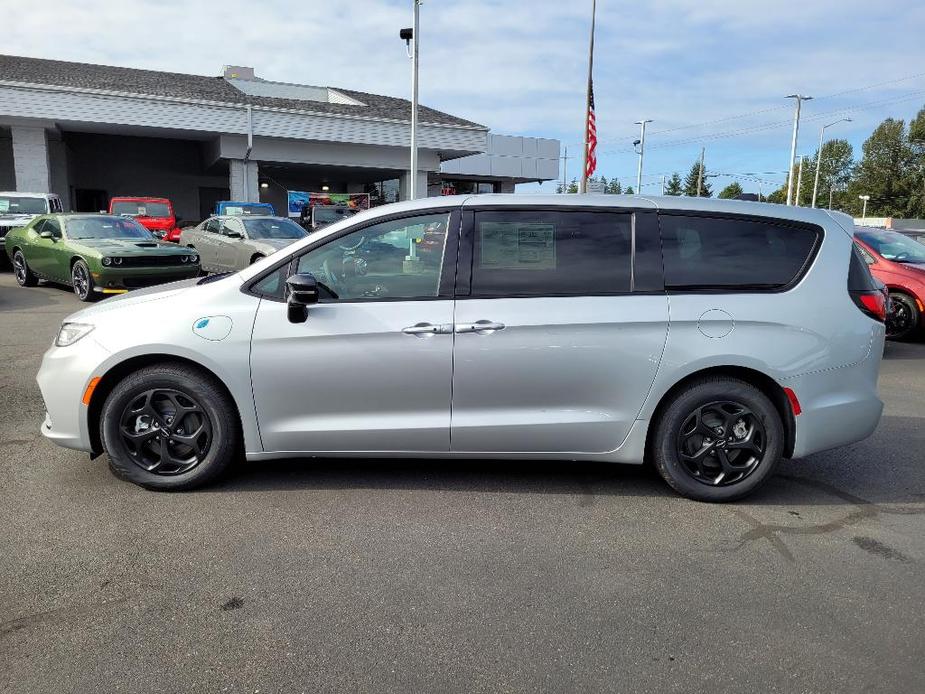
(872, 303)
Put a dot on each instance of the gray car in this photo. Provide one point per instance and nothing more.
(230, 243)
(712, 337)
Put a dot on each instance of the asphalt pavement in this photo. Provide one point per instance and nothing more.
(428, 576)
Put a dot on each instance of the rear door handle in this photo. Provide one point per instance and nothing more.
(480, 327)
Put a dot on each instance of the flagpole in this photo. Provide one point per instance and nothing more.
(583, 186)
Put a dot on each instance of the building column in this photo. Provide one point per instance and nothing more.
(30, 159)
(404, 185)
(243, 190)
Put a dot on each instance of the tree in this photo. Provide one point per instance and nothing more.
(835, 173)
(674, 185)
(883, 171)
(690, 183)
(573, 186)
(629, 190)
(731, 192)
(915, 178)
(779, 196)
(614, 188)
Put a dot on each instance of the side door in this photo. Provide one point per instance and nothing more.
(560, 328)
(43, 253)
(370, 370)
(207, 244)
(227, 245)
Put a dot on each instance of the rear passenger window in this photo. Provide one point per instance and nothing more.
(729, 253)
(540, 253)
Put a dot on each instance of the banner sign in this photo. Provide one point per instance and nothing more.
(299, 199)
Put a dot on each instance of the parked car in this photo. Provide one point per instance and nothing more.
(95, 254)
(319, 216)
(230, 243)
(542, 331)
(18, 209)
(244, 209)
(914, 234)
(899, 262)
(154, 214)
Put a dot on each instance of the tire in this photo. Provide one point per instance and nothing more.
(256, 257)
(157, 389)
(24, 276)
(82, 281)
(903, 319)
(730, 470)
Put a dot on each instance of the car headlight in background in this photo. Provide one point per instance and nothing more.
(71, 333)
(194, 258)
(107, 261)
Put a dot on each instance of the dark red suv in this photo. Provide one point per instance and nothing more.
(898, 262)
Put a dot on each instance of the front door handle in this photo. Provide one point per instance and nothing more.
(480, 327)
(427, 329)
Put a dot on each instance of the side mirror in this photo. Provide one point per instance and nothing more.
(46, 235)
(301, 292)
(234, 235)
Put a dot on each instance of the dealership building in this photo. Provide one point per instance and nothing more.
(92, 132)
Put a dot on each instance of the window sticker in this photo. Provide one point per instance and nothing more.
(4, 205)
(234, 211)
(517, 246)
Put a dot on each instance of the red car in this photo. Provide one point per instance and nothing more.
(154, 214)
(898, 262)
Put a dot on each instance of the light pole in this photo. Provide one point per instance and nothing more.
(819, 155)
(793, 143)
(865, 198)
(410, 37)
(642, 151)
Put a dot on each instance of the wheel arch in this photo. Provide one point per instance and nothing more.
(767, 385)
(119, 371)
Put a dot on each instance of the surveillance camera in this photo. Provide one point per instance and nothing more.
(406, 34)
(636, 142)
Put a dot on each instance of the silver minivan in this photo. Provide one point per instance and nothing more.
(710, 337)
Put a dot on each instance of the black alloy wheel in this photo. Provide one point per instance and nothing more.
(81, 281)
(721, 443)
(24, 276)
(165, 431)
(903, 317)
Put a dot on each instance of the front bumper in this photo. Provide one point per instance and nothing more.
(115, 281)
(63, 378)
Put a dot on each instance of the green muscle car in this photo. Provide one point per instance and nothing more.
(95, 254)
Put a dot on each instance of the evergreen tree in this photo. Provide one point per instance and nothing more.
(883, 171)
(629, 190)
(690, 183)
(731, 192)
(573, 186)
(614, 187)
(915, 178)
(674, 185)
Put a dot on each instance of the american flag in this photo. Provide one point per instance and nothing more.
(591, 135)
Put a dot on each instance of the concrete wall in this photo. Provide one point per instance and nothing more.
(154, 167)
(30, 159)
(508, 156)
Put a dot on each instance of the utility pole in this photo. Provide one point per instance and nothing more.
(663, 184)
(700, 172)
(642, 151)
(799, 181)
(793, 143)
(583, 184)
(565, 159)
(819, 155)
(865, 198)
(413, 187)
(831, 190)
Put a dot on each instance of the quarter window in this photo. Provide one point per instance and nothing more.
(549, 253)
(398, 259)
(704, 253)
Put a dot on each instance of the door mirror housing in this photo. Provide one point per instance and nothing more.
(47, 235)
(234, 234)
(301, 292)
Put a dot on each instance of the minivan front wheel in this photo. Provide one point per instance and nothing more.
(169, 427)
(719, 439)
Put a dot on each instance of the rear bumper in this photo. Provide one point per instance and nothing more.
(839, 406)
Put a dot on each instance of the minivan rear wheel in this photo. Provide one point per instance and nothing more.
(169, 427)
(718, 440)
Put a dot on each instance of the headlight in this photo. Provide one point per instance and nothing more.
(71, 333)
(184, 258)
(194, 258)
(117, 261)
(107, 261)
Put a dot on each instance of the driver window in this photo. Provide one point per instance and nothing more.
(229, 226)
(398, 259)
(213, 226)
(52, 226)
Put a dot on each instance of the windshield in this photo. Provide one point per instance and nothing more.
(140, 208)
(273, 229)
(10, 204)
(328, 215)
(894, 246)
(107, 228)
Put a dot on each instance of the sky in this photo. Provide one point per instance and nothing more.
(709, 73)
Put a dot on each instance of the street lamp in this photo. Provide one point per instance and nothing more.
(865, 198)
(642, 151)
(793, 143)
(410, 37)
(819, 155)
